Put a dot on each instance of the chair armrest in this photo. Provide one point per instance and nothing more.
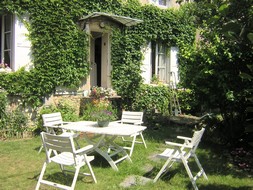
(52, 126)
(118, 121)
(66, 122)
(177, 144)
(184, 138)
(138, 123)
(84, 149)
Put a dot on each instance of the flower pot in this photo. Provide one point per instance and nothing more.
(103, 123)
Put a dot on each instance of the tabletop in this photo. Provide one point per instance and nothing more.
(114, 128)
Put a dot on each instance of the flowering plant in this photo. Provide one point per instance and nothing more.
(100, 92)
(4, 66)
(102, 110)
(104, 115)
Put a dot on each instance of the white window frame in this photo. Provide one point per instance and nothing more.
(160, 62)
(4, 33)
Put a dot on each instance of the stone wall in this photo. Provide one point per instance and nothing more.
(73, 100)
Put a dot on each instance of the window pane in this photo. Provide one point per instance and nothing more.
(7, 41)
(162, 2)
(161, 62)
(7, 23)
(7, 57)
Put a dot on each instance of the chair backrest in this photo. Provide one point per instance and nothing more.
(52, 119)
(57, 144)
(132, 117)
(197, 138)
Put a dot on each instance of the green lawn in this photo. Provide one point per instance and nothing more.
(20, 165)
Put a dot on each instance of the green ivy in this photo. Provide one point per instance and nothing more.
(59, 47)
(152, 99)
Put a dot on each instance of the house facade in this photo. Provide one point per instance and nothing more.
(159, 63)
(15, 47)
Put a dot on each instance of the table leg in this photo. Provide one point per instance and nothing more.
(106, 142)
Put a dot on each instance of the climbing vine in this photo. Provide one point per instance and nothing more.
(59, 47)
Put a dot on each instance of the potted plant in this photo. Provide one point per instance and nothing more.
(103, 117)
(103, 113)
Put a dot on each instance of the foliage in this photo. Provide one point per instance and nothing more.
(212, 67)
(11, 121)
(103, 115)
(99, 110)
(18, 121)
(59, 48)
(188, 102)
(3, 105)
(67, 109)
(100, 92)
(152, 98)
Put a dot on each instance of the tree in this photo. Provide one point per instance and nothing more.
(213, 66)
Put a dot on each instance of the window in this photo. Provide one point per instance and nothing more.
(160, 62)
(6, 39)
(160, 2)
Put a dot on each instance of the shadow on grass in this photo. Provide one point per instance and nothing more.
(100, 161)
(167, 132)
(215, 159)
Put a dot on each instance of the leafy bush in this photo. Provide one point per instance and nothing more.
(187, 101)
(11, 121)
(152, 99)
(18, 120)
(67, 110)
(3, 104)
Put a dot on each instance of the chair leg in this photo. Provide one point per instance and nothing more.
(163, 169)
(200, 167)
(91, 172)
(123, 139)
(75, 178)
(143, 140)
(132, 146)
(41, 175)
(189, 173)
(77, 144)
(41, 147)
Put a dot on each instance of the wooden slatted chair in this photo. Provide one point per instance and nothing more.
(135, 118)
(52, 122)
(182, 153)
(61, 150)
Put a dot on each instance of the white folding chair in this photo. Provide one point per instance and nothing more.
(52, 122)
(61, 150)
(182, 153)
(135, 118)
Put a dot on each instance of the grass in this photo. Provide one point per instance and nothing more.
(20, 165)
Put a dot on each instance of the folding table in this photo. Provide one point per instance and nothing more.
(103, 141)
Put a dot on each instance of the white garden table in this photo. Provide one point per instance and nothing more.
(103, 140)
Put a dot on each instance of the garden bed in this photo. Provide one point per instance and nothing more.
(9, 133)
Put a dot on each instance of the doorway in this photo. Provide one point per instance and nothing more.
(100, 60)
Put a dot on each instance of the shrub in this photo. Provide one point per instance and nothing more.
(67, 110)
(3, 104)
(152, 99)
(187, 101)
(12, 122)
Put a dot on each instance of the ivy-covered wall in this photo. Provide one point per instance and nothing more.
(59, 47)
